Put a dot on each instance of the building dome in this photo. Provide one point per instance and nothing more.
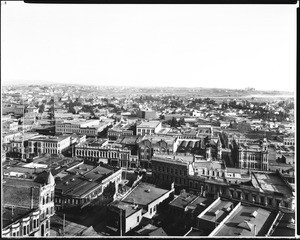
(50, 179)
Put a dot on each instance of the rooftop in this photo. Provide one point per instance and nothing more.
(149, 124)
(272, 182)
(144, 194)
(217, 212)
(10, 215)
(129, 208)
(50, 138)
(182, 200)
(21, 192)
(243, 221)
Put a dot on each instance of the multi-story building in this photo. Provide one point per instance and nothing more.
(252, 156)
(268, 189)
(27, 206)
(102, 151)
(83, 184)
(146, 114)
(121, 129)
(148, 128)
(151, 145)
(49, 144)
(83, 127)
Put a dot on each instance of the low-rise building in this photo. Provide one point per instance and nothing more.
(142, 202)
(246, 221)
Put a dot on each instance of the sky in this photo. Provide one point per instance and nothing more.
(218, 46)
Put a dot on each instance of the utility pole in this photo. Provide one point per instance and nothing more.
(23, 148)
(64, 220)
(121, 222)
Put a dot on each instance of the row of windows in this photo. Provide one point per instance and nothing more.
(27, 229)
(170, 170)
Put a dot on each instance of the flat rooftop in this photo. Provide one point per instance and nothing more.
(182, 200)
(20, 192)
(144, 194)
(242, 223)
(272, 182)
(129, 208)
(75, 185)
(150, 124)
(220, 206)
(50, 138)
(182, 160)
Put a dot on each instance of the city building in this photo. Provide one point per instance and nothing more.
(252, 156)
(49, 144)
(89, 128)
(148, 127)
(214, 214)
(246, 221)
(121, 129)
(27, 206)
(151, 145)
(100, 150)
(268, 189)
(141, 202)
(83, 183)
(147, 114)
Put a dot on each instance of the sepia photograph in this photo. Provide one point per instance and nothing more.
(148, 120)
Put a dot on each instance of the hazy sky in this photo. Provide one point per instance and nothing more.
(227, 46)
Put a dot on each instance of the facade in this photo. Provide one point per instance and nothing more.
(82, 127)
(148, 128)
(151, 145)
(146, 114)
(102, 151)
(27, 207)
(252, 156)
(49, 144)
(276, 193)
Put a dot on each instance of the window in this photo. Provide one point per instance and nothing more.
(34, 223)
(24, 230)
(47, 224)
(270, 201)
(138, 219)
(150, 210)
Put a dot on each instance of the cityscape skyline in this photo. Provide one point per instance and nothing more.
(190, 46)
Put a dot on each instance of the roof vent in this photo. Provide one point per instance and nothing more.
(147, 190)
(66, 183)
(72, 180)
(216, 212)
(254, 214)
